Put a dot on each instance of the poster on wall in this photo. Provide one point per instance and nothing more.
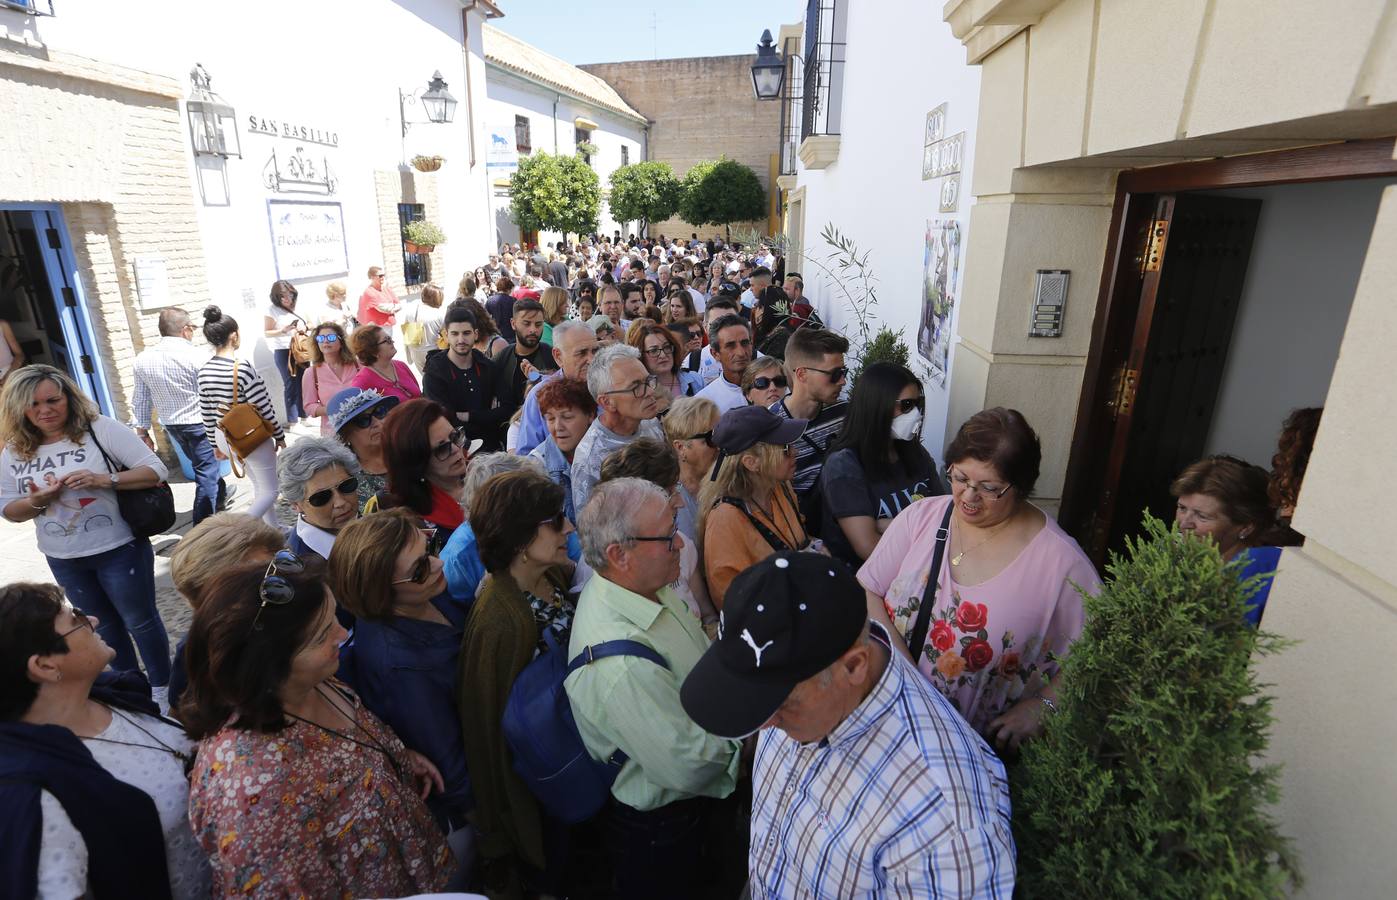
(503, 156)
(308, 239)
(940, 291)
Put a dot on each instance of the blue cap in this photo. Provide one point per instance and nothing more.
(349, 403)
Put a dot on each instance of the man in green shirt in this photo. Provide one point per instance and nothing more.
(656, 817)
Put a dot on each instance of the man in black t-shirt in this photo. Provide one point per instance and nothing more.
(528, 358)
(815, 359)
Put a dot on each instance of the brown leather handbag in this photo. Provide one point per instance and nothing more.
(242, 424)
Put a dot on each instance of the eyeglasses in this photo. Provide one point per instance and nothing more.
(906, 406)
(327, 338)
(386, 340)
(557, 521)
(320, 498)
(421, 571)
(705, 436)
(457, 441)
(980, 487)
(276, 590)
(365, 419)
(657, 352)
(835, 375)
(667, 539)
(762, 382)
(639, 389)
(83, 622)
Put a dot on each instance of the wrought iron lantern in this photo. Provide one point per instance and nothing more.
(439, 105)
(213, 128)
(769, 71)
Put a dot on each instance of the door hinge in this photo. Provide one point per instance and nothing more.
(55, 242)
(86, 364)
(1155, 238)
(70, 297)
(1121, 395)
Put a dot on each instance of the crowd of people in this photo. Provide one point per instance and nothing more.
(603, 580)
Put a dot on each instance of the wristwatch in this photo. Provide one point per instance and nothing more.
(115, 479)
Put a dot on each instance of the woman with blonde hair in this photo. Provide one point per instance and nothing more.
(332, 369)
(765, 381)
(689, 429)
(61, 468)
(749, 510)
(427, 312)
(334, 309)
(555, 309)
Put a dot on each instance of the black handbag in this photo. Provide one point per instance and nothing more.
(147, 511)
(917, 642)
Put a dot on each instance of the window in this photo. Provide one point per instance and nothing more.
(33, 7)
(625, 155)
(417, 267)
(582, 137)
(825, 27)
(522, 142)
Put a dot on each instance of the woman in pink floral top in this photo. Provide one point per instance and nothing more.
(298, 791)
(1008, 604)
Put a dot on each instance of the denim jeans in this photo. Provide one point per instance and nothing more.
(657, 853)
(209, 487)
(118, 587)
(290, 386)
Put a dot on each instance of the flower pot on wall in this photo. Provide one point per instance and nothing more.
(427, 163)
(420, 248)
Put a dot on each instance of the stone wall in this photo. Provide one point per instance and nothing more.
(700, 108)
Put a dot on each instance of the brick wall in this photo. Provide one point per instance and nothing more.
(702, 108)
(406, 185)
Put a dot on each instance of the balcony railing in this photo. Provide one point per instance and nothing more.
(823, 88)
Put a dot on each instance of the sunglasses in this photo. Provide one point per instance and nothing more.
(365, 419)
(906, 406)
(421, 571)
(705, 436)
(762, 382)
(327, 338)
(83, 622)
(320, 498)
(275, 589)
(457, 441)
(556, 521)
(835, 375)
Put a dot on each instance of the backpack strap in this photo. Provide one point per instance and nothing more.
(777, 545)
(595, 652)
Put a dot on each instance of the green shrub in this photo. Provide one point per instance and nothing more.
(887, 346)
(1145, 783)
(420, 231)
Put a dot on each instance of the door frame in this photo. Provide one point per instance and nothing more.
(61, 269)
(1117, 305)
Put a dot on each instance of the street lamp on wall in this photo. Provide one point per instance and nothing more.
(208, 114)
(437, 103)
(769, 70)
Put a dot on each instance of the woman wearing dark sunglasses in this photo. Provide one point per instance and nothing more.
(765, 381)
(356, 416)
(877, 465)
(522, 537)
(407, 639)
(332, 369)
(319, 477)
(426, 458)
(295, 777)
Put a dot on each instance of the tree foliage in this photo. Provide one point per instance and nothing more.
(720, 192)
(555, 193)
(1145, 783)
(644, 191)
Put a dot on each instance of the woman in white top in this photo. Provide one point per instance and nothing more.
(427, 312)
(106, 777)
(334, 309)
(280, 324)
(62, 465)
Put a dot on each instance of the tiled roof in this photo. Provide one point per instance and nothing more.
(509, 52)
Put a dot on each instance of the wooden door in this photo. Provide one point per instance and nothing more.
(1159, 398)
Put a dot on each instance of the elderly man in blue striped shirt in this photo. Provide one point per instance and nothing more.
(867, 782)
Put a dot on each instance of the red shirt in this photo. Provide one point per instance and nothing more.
(369, 313)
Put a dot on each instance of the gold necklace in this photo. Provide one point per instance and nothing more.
(955, 560)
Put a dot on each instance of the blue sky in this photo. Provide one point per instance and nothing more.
(591, 31)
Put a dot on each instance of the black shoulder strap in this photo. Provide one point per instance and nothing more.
(917, 642)
(770, 536)
(105, 458)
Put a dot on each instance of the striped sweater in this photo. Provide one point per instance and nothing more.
(216, 394)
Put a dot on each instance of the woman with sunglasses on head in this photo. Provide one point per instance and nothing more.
(749, 508)
(522, 536)
(877, 465)
(426, 458)
(373, 345)
(663, 355)
(333, 368)
(356, 419)
(765, 381)
(689, 429)
(403, 656)
(298, 788)
(93, 780)
(1005, 604)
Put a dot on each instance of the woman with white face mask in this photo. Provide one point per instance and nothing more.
(877, 465)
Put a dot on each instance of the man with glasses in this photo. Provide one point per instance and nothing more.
(627, 403)
(663, 797)
(167, 381)
(574, 345)
(378, 305)
(815, 358)
(730, 339)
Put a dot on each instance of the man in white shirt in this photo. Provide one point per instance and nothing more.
(760, 281)
(709, 367)
(730, 339)
(167, 381)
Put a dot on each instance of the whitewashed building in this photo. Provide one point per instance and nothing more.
(877, 137)
(539, 103)
(120, 196)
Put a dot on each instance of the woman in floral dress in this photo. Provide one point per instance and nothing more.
(299, 790)
(1008, 604)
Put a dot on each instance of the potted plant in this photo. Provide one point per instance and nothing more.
(427, 163)
(422, 236)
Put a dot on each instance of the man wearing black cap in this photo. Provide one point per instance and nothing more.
(867, 782)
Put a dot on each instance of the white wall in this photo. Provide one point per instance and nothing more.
(902, 61)
(1310, 243)
(508, 95)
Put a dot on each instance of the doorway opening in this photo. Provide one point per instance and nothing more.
(41, 297)
(1224, 300)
